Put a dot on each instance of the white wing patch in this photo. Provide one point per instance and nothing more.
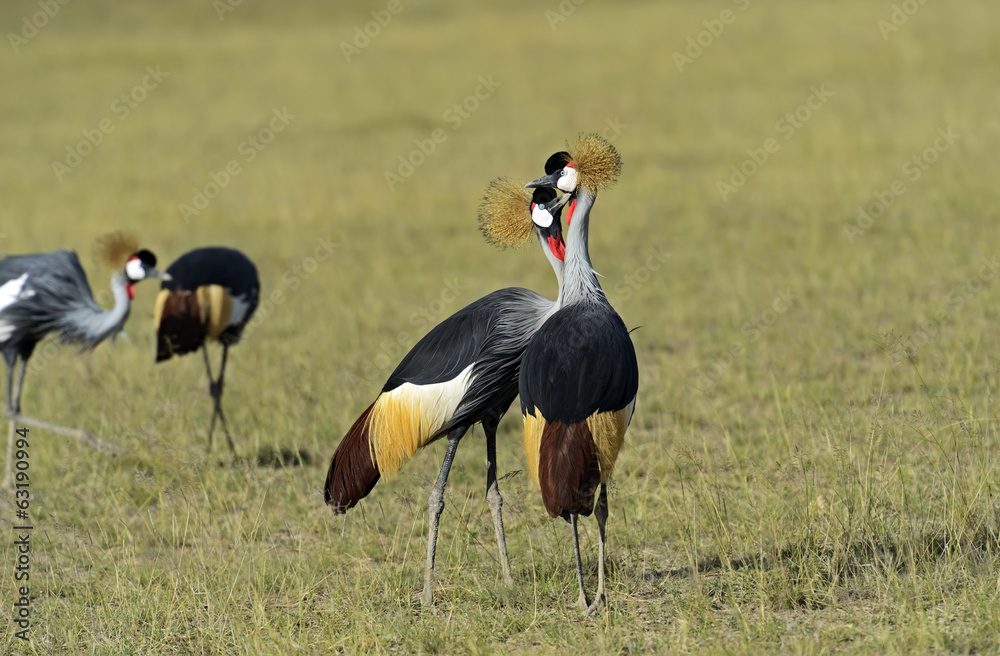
(629, 409)
(239, 314)
(11, 292)
(406, 418)
(436, 402)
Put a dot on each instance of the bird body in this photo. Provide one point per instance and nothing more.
(579, 373)
(211, 295)
(48, 293)
(578, 384)
(463, 372)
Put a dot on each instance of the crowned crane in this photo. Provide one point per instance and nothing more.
(210, 295)
(463, 372)
(579, 375)
(47, 293)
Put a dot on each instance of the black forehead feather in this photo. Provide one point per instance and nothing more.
(146, 257)
(556, 162)
(543, 195)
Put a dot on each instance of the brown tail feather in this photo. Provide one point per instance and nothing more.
(179, 328)
(568, 470)
(352, 473)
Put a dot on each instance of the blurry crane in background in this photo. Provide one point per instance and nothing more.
(579, 375)
(210, 295)
(463, 372)
(49, 293)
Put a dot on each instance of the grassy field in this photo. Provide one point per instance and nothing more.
(812, 467)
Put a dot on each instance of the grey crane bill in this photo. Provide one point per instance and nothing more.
(550, 180)
(553, 205)
(564, 179)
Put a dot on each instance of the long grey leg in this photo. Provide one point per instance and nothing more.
(215, 390)
(493, 496)
(11, 414)
(582, 601)
(217, 396)
(211, 390)
(14, 410)
(435, 506)
(601, 513)
(9, 398)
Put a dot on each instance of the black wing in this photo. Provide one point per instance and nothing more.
(449, 347)
(580, 362)
(215, 265)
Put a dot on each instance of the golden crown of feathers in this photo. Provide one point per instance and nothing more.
(113, 250)
(597, 162)
(505, 211)
(505, 214)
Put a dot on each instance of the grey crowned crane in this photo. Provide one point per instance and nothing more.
(463, 372)
(47, 293)
(579, 375)
(210, 296)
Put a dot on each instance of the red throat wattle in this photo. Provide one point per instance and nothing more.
(558, 247)
(130, 290)
(569, 212)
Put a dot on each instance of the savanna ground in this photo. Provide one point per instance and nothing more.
(812, 466)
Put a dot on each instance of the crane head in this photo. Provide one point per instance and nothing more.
(120, 252)
(545, 211)
(508, 215)
(141, 265)
(592, 163)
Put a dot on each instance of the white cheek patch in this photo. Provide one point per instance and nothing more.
(541, 216)
(134, 269)
(568, 181)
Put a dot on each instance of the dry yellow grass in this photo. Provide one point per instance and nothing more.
(811, 467)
